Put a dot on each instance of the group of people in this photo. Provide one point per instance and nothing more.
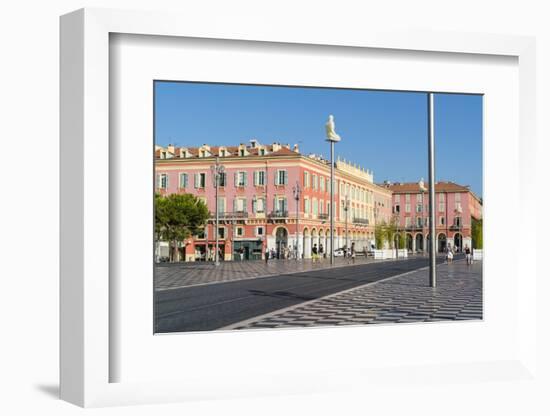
(317, 252)
(467, 252)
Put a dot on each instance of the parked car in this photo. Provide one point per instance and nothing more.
(339, 252)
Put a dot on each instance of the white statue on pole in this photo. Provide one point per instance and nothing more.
(331, 134)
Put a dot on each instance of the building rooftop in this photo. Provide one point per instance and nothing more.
(242, 150)
(414, 187)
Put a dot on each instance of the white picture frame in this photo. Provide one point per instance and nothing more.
(87, 307)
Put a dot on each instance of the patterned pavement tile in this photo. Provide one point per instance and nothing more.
(405, 298)
(177, 275)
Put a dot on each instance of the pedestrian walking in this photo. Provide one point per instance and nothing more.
(353, 252)
(266, 255)
(314, 252)
(241, 253)
(449, 255)
(321, 250)
(468, 255)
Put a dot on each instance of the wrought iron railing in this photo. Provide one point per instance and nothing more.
(363, 221)
(226, 215)
(278, 214)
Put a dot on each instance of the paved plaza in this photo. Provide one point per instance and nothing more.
(178, 275)
(403, 298)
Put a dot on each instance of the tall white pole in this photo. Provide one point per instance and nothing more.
(431, 173)
(331, 202)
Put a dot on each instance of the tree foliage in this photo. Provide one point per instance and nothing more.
(477, 233)
(380, 235)
(179, 216)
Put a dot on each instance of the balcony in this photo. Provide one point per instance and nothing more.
(323, 216)
(230, 215)
(455, 227)
(278, 214)
(361, 221)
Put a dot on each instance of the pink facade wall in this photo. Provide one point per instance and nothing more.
(230, 191)
(449, 214)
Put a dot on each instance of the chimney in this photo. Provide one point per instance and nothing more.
(296, 148)
(171, 148)
(253, 143)
(276, 147)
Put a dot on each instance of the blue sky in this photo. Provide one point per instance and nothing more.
(384, 131)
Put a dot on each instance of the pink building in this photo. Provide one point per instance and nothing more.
(256, 203)
(456, 207)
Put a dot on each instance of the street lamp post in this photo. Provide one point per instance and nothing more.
(297, 191)
(431, 182)
(217, 172)
(346, 209)
(332, 137)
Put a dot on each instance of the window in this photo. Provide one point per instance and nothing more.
(281, 178)
(457, 222)
(241, 179)
(222, 179)
(306, 206)
(221, 232)
(441, 207)
(239, 232)
(458, 205)
(322, 183)
(259, 231)
(407, 207)
(221, 205)
(163, 181)
(396, 209)
(241, 152)
(441, 220)
(419, 207)
(239, 205)
(280, 204)
(259, 178)
(315, 207)
(419, 221)
(314, 181)
(407, 221)
(183, 180)
(201, 234)
(262, 152)
(200, 180)
(396, 199)
(258, 204)
(223, 153)
(306, 179)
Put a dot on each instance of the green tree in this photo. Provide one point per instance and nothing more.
(177, 217)
(477, 233)
(380, 235)
(402, 240)
(391, 232)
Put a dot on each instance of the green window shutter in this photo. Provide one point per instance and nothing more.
(286, 177)
(245, 178)
(197, 180)
(236, 179)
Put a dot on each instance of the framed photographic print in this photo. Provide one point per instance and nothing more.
(242, 215)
